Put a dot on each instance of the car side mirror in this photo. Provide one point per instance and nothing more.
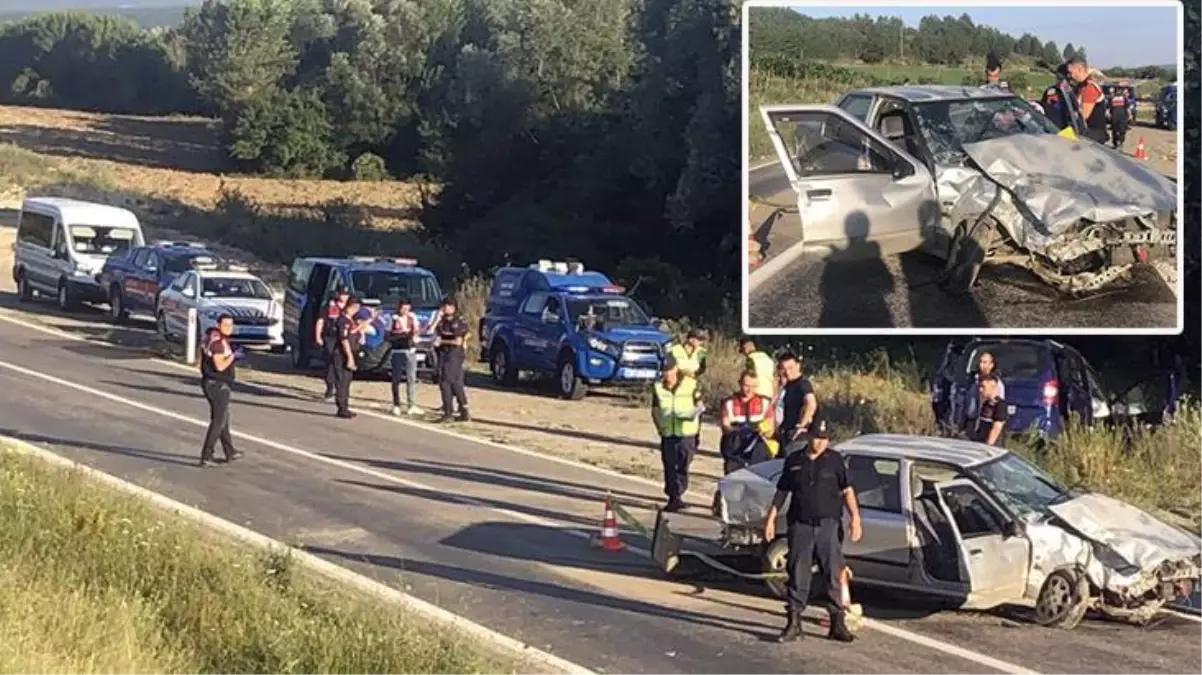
(902, 169)
(1012, 529)
(189, 293)
(550, 317)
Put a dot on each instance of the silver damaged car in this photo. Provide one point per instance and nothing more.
(970, 175)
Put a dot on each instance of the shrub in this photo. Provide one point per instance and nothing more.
(369, 167)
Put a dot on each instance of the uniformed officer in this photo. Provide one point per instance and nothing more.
(216, 380)
(676, 408)
(690, 356)
(1120, 117)
(761, 365)
(989, 425)
(1091, 101)
(816, 485)
(346, 342)
(452, 331)
(325, 337)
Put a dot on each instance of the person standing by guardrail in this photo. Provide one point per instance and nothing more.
(452, 334)
(346, 345)
(676, 409)
(690, 356)
(217, 374)
(325, 335)
(403, 335)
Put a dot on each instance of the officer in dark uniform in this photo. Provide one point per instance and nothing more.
(816, 485)
(1120, 114)
(452, 332)
(346, 343)
(326, 337)
(216, 380)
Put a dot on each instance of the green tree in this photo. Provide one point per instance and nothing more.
(1069, 52)
(286, 133)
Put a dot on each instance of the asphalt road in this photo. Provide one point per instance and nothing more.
(496, 536)
(901, 290)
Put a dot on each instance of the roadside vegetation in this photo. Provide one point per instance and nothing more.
(94, 581)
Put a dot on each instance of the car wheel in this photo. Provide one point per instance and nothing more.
(117, 305)
(501, 365)
(1063, 600)
(160, 323)
(774, 559)
(24, 292)
(571, 387)
(65, 300)
(967, 256)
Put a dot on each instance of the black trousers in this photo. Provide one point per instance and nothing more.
(329, 347)
(342, 382)
(450, 380)
(676, 453)
(218, 395)
(1119, 123)
(807, 544)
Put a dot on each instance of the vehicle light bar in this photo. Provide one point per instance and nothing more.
(178, 244)
(613, 288)
(575, 268)
(405, 261)
(202, 260)
(363, 258)
(577, 289)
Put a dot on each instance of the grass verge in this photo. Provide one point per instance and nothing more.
(22, 169)
(92, 580)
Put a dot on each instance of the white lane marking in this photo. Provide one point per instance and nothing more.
(900, 633)
(4, 316)
(1184, 614)
(319, 565)
(765, 165)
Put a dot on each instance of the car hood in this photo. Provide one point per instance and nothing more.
(239, 308)
(1056, 182)
(747, 493)
(1141, 540)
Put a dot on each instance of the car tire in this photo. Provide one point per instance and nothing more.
(66, 299)
(966, 257)
(568, 383)
(24, 292)
(774, 559)
(1063, 600)
(500, 364)
(117, 311)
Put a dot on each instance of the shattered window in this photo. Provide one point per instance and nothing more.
(1020, 487)
(948, 125)
(821, 143)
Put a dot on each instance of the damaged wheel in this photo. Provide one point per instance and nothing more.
(1063, 600)
(967, 256)
(775, 556)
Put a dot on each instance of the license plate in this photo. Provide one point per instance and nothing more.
(637, 373)
(1149, 237)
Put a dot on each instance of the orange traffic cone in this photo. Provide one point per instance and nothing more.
(609, 539)
(1140, 153)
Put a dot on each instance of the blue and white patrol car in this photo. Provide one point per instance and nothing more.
(214, 289)
(558, 318)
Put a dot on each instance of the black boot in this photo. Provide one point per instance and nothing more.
(839, 630)
(792, 631)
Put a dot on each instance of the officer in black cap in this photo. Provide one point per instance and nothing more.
(452, 332)
(325, 334)
(815, 484)
(346, 345)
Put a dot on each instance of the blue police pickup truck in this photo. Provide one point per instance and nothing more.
(380, 283)
(133, 280)
(557, 318)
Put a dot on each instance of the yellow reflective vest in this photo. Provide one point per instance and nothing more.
(675, 408)
(689, 364)
(765, 373)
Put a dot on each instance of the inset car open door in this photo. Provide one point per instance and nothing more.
(994, 553)
(857, 194)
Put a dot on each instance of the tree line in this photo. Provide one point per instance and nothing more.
(600, 129)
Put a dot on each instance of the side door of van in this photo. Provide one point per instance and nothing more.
(294, 296)
(35, 239)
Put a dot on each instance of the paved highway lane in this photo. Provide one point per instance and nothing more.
(485, 532)
(900, 290)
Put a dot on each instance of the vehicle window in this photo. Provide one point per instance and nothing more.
(178, 264)
(506, 284)
(102, 239)
(857, 105)
(825, 144)
(1016, 361)
(1019, 486)
(391, 287)
(235, 287)
(606, 312)
(534, 304)
(974, 516)
(298, 278)
(152, 262)
(36, 229)
(139, 259)
(877, 482)
(948, 125)
(553, 305)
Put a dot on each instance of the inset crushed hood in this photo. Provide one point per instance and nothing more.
(1062, 181)
(1139, 538)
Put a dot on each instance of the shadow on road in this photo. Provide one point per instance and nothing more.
(855, 283)
(152, 455)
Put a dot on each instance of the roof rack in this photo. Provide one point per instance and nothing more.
(179, 244)
(209, 265)
(559, 267)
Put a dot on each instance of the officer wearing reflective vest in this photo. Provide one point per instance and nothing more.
(762, 366)
(1120, 114)
(676, 409)
(1091, 101)
(690, 359)
(325, 335)
(743, 416)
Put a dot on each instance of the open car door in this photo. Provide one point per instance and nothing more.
(995, 555)
(856, 192)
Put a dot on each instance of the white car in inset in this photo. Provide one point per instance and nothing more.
(214, 290)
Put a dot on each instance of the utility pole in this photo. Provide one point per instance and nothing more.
(901, 41)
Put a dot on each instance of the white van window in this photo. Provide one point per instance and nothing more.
(102, 239)
(36, 229)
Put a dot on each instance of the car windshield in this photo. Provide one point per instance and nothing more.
(948, 125)
(391, 287)
(607, 312)
(1021, 487)
(235, 287)
(103, 240)
(178, 264)
(1015, 361)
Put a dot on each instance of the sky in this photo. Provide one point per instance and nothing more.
(1112, 36)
